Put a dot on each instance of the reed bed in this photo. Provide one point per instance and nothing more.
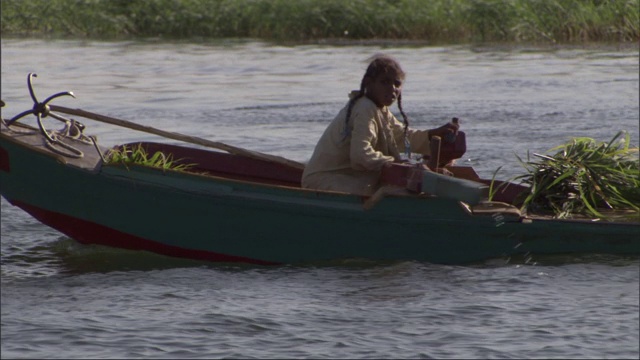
(433, 21)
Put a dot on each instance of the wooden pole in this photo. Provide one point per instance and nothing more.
(434, 159)
(176, 136)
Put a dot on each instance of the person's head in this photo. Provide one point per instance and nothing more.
(382, 82)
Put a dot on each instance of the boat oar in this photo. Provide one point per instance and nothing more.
(464, 190)
(470, 192)
(176, 136)
(401, 179)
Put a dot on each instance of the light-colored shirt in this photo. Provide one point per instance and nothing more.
(350, 155)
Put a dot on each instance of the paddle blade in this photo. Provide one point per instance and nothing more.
(467, 191)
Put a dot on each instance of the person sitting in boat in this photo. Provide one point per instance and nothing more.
(365, 136)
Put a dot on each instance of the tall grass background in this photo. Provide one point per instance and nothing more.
(433, 21)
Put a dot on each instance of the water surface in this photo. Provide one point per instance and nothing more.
(61, 299)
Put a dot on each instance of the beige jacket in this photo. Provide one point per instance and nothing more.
(349, 157)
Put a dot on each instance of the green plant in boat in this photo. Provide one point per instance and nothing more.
(137, 154)
(584, 177)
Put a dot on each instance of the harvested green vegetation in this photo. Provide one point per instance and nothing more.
(137, 154)
(585, 177)
(433, 21)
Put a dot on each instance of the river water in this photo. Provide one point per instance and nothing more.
(61, 299)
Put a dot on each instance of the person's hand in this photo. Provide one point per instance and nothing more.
(388, 164)
(444, 171)
(445, 131)
(438, 170)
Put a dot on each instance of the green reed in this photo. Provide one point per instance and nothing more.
(584, 177)
(435, 21)
(137, 154)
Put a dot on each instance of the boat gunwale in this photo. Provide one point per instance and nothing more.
(14, 137)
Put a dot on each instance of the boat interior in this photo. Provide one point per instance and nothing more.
(226, 165)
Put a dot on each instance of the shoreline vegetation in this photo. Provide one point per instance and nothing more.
(336, 21)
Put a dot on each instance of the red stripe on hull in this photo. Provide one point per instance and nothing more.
(87, 232)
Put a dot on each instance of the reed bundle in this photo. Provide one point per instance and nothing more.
(584, 177)
(137, 154)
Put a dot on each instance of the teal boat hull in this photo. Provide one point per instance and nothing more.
(208, 216)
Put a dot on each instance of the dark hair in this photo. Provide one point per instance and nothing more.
(380, 65)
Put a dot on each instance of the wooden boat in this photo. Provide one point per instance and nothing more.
(238, 205)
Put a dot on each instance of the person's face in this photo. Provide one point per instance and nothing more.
(384, 89)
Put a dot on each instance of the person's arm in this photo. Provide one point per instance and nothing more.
(421, 139)
(445, 130)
